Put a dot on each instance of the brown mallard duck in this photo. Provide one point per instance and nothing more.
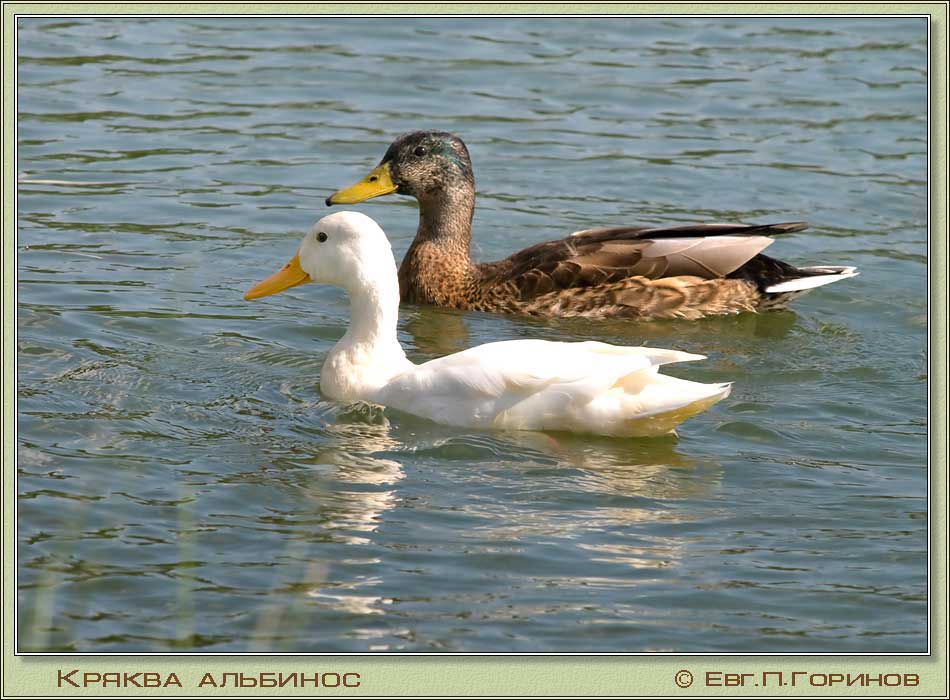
(627, 272)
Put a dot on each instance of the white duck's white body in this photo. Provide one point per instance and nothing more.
(586, 387)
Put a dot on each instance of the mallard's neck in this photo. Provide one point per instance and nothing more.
(445, 217)
(437, 267)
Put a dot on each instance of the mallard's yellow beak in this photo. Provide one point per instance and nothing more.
(376, 184)
(290, 275)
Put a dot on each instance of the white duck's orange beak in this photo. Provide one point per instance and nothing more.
(290, 275)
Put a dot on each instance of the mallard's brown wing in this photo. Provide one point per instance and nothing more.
(690, 231)
(597, 257)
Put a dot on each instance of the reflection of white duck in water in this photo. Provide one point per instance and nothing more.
(584, 387)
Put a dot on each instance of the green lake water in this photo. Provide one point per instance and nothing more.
(182, 484)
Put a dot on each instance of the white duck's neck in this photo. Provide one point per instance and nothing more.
(369, 354)
(374, 312)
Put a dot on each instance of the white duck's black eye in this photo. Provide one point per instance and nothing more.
(321, 236)
(421, 151)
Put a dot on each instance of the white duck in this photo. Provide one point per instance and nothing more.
(583, 387)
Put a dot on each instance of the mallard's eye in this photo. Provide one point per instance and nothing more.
(321, 237)
(421, 151)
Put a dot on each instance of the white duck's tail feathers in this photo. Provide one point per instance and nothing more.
(661, 356)
(724, 389)
(662, 393)
(655, 356)
(678, 393)
(664, 421)
(817, 276)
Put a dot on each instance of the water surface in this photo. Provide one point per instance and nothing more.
(184, 487)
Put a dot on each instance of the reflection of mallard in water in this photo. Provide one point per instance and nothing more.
(436, 332)
(628, 272)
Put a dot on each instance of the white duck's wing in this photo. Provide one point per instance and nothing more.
(478, 386)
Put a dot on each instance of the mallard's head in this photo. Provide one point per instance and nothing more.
(418, 164)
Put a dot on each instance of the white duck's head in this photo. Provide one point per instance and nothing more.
(346, 249)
